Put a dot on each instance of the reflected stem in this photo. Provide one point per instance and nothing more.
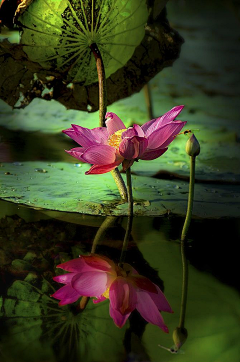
(103, 110)
(130, 217)
(184, 245)
(108, 222)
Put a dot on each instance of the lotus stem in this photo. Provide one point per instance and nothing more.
(183, 243)
(102, 84)
(130, 217)
(148, 100)
(108, 222)
(103, 110)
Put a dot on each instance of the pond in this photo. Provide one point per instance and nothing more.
(51, 212)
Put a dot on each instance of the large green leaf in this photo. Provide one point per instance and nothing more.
(65, 187)
(57, 34)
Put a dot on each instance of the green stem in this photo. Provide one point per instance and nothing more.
(183, 243)
(130, 217)
(103, 110)
(120, 184)
(108, 222)
(190, 199)
(148, 100)
(101, 83)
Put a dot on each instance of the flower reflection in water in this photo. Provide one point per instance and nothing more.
(97, 276)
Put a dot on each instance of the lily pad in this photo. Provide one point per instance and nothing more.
(65, 187)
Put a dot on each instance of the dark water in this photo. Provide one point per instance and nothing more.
(34, 328)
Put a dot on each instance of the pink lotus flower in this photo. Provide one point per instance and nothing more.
(108, 147)
(97, 276)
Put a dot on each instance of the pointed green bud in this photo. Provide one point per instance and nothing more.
(192, 146)
(179, 337)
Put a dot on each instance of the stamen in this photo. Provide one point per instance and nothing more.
(115, 139)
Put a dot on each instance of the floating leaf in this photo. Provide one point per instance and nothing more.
(65, 187)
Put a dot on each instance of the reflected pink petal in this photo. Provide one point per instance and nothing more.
(99, 262)
(90, 284)
(66, 294)
(65, 278)
(99, 300)
(122, 295)
(118, 318)
(149, 311)
(113, 123)
(75, 265)
(144, 283)
(160, 300)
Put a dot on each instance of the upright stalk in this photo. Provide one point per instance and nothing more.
(190, 199)
(103, 110)
(148, 100)
(130, 217)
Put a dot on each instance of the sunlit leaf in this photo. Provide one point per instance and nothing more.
(65, 187)
(58, 34)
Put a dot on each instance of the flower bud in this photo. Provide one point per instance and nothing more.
(179, 337)
(192, 146)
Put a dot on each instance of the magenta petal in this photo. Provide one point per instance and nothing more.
(122, 295)
(152, 154)
(90, 284)
(99, 300)
(99, 169)
(75, 265)
(149, 310)
(99, 155)
(77, 153)
(118, 318)
(163, 136)
(168, 117)
(99, 262)
(129, 149)
(65, 278)
(131, 132)
(160, 300)
(87, 137)
(66, 294)
(113, 123)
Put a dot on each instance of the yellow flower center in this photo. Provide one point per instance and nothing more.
(106, 293)
(115, 139)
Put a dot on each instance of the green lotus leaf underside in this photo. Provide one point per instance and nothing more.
(57, 34)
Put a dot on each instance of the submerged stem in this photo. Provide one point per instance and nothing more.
(130, 217)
